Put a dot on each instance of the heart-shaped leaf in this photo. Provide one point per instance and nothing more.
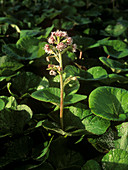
(109, 102)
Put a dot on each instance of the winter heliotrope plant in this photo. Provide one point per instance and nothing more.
(58, 43)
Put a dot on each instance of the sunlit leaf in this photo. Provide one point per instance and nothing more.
(109, 102)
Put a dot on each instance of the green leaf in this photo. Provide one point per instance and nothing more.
(115, 53)
(25, 108)
(10, 102)
(72, 86)
(122, 142)
(63, 156)
(114, 78)
(52, 126)
(2, 104)
(48, 31)
(8, 19)
(79, 3)
(109, 102)
(67, 25)
(115, 48)
(73, 98)
(115, 30)
(92, 74)
(96, 73)
(26, 82)
(95, 124)
(117, 45)
(71, 83)
(115, 66)
(50, 94)
(116, 159)
(13, 121)
(31, 33)
(43, 84)
(83, 42)
(91, 165)
(12, 51)
(79, 117)
(17, 149)
(9, 66)
(105, 142)
(28, 43)
(45, 152)
(26, 48)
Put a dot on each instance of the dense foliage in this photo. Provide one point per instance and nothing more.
(95, 123)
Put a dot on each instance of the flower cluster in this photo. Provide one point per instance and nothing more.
(48, 49)
(59, 40)
(53, 69)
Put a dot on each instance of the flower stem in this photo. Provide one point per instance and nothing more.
(61, 92)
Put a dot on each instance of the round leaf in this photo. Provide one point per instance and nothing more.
(109, 102)
(122, 142)
(79, 117)
(116, 159)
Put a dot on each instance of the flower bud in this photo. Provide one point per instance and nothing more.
(52, 73)
(74, 78)
(74, 46)
(47, 59)
(69, 40)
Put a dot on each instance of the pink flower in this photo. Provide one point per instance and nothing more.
(69, 40)
(53, 33)
(47, 49)
(60, 33)
(51, 40)
(74, 46)
(64, 34)
(60, 46)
